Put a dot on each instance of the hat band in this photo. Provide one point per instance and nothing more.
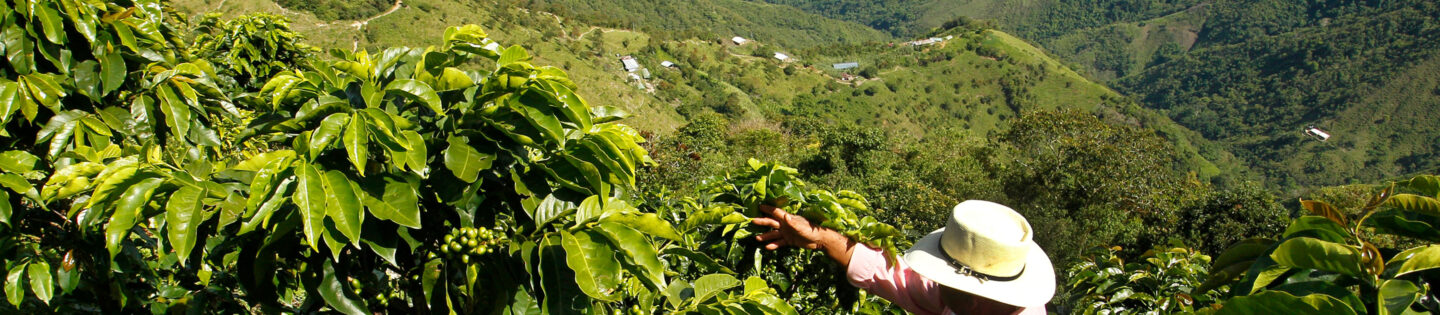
(962, 269)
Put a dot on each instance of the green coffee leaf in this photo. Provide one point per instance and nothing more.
(399, 203)
(596, 269)
(418, 91)
(649, 223)
(337, 294)
(709, 285)
(329, 130)
(127, 213)
(14, 284)
(357, 143)
(184, 213)
(343, 206)
(465, 161)
(310, 199)
(639, 255)
(41, 282)
(112, 68)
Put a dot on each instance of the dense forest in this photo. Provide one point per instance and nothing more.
(256, 156)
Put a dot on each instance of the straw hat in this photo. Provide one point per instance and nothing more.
(987, 250)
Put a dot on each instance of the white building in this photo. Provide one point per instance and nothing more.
(630, 64)
(1317, 133)
(782, 57)
(667, 64)
(738, 40)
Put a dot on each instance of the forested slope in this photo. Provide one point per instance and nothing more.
(1357, 76)
(1248, 74)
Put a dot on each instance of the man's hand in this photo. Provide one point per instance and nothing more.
(794, 230)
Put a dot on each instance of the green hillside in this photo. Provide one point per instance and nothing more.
(1359, 76)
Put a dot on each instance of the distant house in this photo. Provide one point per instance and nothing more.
(846, 65)
(926, 41)
(1317, 133)
(782, 57)
(630, 64)
(667, 64)
(948, 37)
(738, 40)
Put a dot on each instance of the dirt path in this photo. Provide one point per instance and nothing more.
(592, 29)
(361, 24)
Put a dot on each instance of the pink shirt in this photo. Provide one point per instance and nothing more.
(899, 284)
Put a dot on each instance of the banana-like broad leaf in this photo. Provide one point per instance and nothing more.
(1415, 203)
(1279, 302)
(1398, 222)
(184, 213)
(1396, 296)
(1425, 184)
(1414, 260)
(1219, 277)
(597, 271)
(1304, 252)
(1245, 250)
(1318, 227)
(639, 255)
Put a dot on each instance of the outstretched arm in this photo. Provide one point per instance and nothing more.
(794, 230)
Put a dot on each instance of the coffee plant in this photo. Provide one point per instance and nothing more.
(808, 280)
(134, 181)
(1163, 280)
(1326, 262)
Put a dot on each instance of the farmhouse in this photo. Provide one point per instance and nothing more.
(738, 40)
(1317, 133)
(630, 63)
(782, 57)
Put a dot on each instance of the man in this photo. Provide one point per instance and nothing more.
(983, 262)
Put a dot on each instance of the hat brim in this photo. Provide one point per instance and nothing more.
(1034, 287)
